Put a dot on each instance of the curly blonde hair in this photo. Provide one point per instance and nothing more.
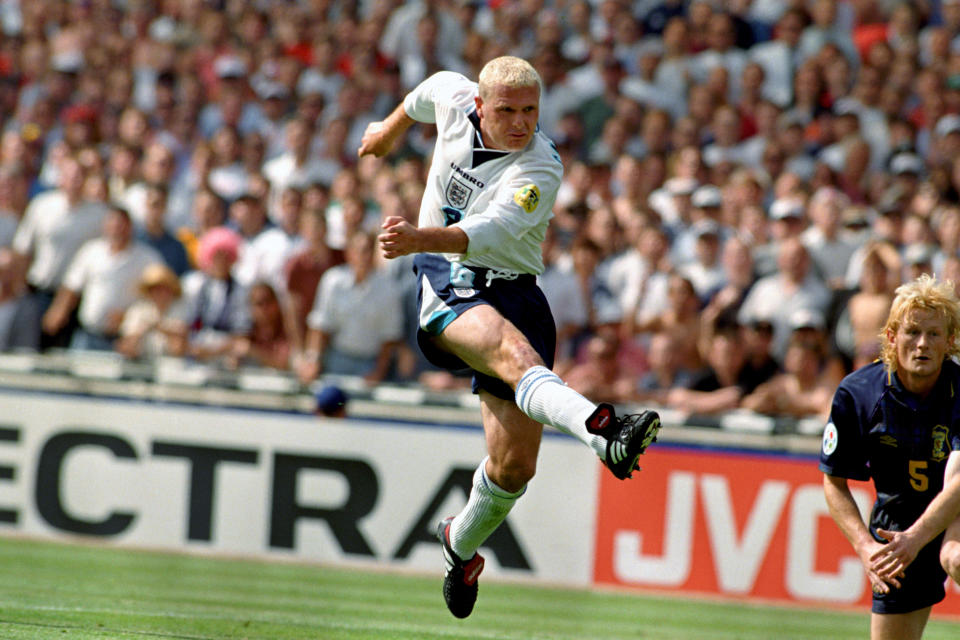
(508, 71)
(923, 293)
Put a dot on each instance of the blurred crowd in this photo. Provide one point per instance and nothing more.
(746, 182)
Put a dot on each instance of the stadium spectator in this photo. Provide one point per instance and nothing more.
(779, 56)
(267, 252)
(54, 227)
(721, 384)
(356, 319)
(597, 296)
(154, 232)
(775, 297)
(100, 283)
(759, 363)
(829, 249)
(681, 317)
(800, 391)
(297, 166)
(13, 201)
(208, 211)
(666, 370)
(19, 313)
(268, 342)
(722, 53)
(600, 374)
(561, 286)
(217, 308)
(706, 204)
(228, 178)
(305, 267)
(705, 272)
(248, 216)
(858, 328)
(737, 277)
(155, 325)
(157, 169)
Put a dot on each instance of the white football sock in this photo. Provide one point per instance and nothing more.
(543, 396)
(486, 508)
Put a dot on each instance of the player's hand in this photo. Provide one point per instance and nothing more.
(891, 560)
(375, 140)
(399, 237)
(878, 583)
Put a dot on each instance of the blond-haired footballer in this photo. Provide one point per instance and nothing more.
(489, 197)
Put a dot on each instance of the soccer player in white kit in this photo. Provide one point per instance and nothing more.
(489, 197)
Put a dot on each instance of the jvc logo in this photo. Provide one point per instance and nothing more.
(739, 555)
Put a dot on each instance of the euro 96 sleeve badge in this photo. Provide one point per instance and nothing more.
(829, 439)
(528, 197)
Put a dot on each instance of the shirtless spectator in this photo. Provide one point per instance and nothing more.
(800, 391)
(721, 385)
(600, 374)
(861, 321)
(666, 372)
(681, 318)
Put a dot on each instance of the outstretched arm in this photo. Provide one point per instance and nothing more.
(399, 238)
(380, 137)
(903, 546)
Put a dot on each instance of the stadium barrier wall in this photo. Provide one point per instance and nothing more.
(742, 524)
(232, 481)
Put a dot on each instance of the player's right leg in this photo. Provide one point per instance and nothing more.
(899, 626)
(503, 330)
(513, 441)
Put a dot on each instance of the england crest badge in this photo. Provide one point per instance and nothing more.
(458, 193)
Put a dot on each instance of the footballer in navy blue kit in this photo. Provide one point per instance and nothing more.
(897, 422)
(483, 218)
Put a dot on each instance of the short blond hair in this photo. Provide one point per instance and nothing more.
(924, 293)
(508, 71)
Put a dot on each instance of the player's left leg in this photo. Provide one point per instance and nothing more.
(513, 441)
(899, 626)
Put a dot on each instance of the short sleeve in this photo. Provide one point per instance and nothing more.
(843, 450)
(442, 90)
(78, 272)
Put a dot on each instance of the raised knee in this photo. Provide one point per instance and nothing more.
(950, 559)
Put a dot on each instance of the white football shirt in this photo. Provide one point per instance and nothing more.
(502, 200)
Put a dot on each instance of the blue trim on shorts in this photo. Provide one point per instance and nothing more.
(439, 321)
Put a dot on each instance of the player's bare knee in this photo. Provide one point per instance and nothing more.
(950, 559)
(513, 473)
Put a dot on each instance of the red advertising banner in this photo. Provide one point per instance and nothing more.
(733, 524)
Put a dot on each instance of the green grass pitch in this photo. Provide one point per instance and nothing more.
(71, 591)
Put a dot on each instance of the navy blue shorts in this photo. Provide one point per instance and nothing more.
(921, 586)
(447, 289)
